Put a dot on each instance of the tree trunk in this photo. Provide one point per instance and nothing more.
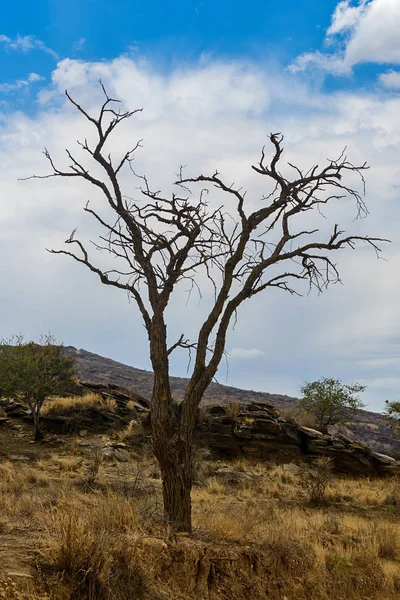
(36, 421)
(173, 454)
(177, 487)
(172, 438)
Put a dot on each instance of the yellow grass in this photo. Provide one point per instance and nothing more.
(256, 539)
(68, 463)
(59, 405)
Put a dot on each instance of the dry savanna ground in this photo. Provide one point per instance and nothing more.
(80, 522)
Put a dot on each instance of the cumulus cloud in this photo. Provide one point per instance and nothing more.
(25, 43)
(366, 32)
(346, 16)
(35, 77)
(376, 37)
(208, 116)
(390, 79)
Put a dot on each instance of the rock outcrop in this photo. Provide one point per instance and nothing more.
(255, 431)
(118, 393)
(372, 428)
(258, 432)
(92, 418)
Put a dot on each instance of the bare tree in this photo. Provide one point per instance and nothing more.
(162, 241)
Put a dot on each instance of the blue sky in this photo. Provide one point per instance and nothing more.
(166, 32)
(213, 79)
(180, 29)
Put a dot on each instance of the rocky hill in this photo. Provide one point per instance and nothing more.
(366, 426)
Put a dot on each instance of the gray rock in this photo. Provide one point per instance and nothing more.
(122, 455)
(386, 460)
(111, 453)
(108, 452)
(311, 432)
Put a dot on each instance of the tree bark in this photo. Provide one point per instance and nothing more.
(171, 441)
(36, 421)
(173, 453)
(177, 487)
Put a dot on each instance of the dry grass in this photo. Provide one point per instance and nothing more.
(94, 466)
(17, 479)
(61, 405)
(93, 545)
(316, 478)
(233, 409)
(255, 538)
(130, 405)
(68, 463)
(299, 417)
(11, 590)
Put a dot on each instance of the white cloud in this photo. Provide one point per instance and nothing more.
(209, 116)
(19, 84)
(346, 17)
(331, 63)
(6, 88)
(25, 43)
(367, 32)
(390, 79)
(35, 77)
(376, 38)
(246, 353)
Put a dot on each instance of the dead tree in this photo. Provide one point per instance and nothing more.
(161, 241)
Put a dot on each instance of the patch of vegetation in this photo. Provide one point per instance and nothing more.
(330, 401)
(32, 372)
(69, 404)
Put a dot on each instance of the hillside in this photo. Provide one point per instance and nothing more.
(369, 427)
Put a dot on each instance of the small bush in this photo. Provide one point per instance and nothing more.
(233, 409)
(94, 466)
(316, 478)
(388, 543)
(392, 499)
